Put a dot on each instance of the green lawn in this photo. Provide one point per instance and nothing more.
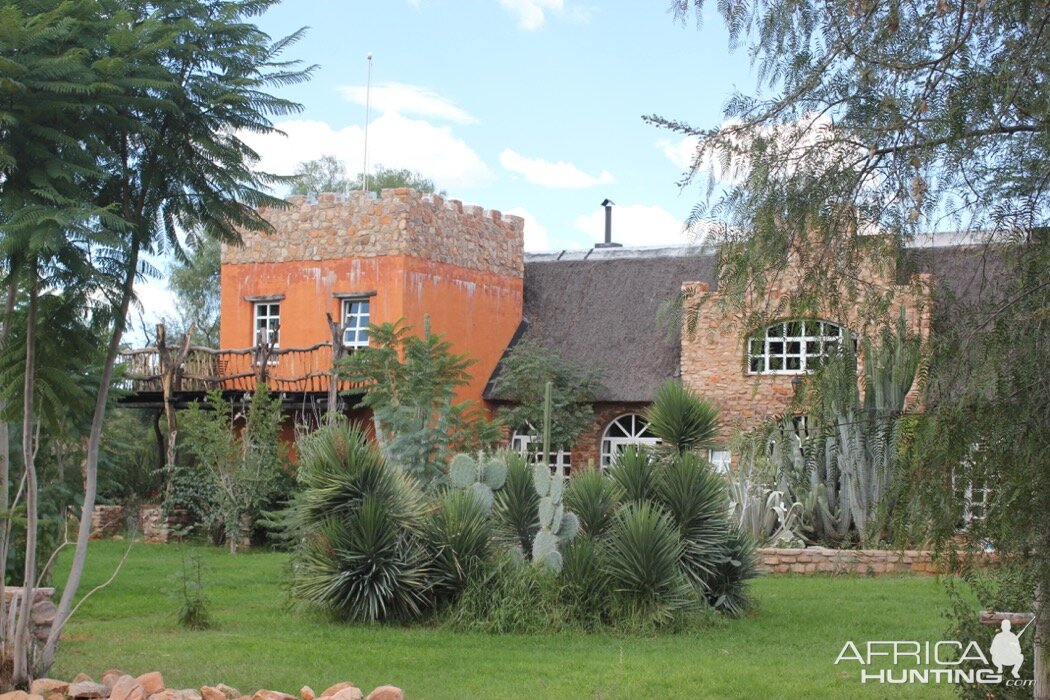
(785, 649)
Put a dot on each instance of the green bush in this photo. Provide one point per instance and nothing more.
(633, 472)
(642, 553)
(726, 586)
(585, 586)
(593, 497)
(516, 510)
(682, 419)
(509, 597)
(459, 539)
(363, 554)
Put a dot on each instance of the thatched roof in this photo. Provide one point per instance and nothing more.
(601, 308)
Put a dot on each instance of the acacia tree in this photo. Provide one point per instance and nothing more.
(141, 138)
(902, 117)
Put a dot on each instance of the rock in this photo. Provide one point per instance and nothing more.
(307, 693)
(15, 695)
(48, 686)
(387, 692)
(230, 693)
(209, 693)
(82, 677)
(56, 696)
(188, 694)
(264, 694)
(87, 690)
(127, 688)
(350, 693)
(152, 682)
(166, 695)
(111, 675)
(332, 690)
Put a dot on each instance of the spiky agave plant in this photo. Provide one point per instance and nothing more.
(642, 554)
(362, 555)
(681, 418)
(459, 540)
(727, 589)
(594, 497)
(694, 497)
(632, 471)
(516, 509)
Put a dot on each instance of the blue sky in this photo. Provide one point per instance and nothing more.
(532, 107)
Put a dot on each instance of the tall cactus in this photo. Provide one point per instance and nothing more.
(481, 475)
(557, 526)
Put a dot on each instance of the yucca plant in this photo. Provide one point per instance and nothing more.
(585, 586)
(642, 554)
(362, 555)
(632, 471)
(695, 499)
(682, 419)
(594, 498)
(459, 540)
(727, 584)
(516, 509)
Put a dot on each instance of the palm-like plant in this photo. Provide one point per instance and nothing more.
(681, 418)
(459, 539)
(643, 551)
(695, 499)
(632, 471)
(516, 506)
(594, 498)
(727, 584)
(362, 555)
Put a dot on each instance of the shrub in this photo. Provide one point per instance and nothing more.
(509, 597)
(726, 586)
(516, 510)
(642, 554)
(585, 588)
(362, 555)
(459, 540)
(682, 419)
(695, 499)
(593, 497)
(633, 472)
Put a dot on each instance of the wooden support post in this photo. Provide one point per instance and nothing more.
(338, 353)
(170, 368)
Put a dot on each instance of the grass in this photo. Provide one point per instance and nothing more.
(785, 649)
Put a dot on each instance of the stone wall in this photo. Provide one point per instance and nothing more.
(714, 357)
(41, 613)
(107, 521)
(588, 448)
(812, 560)
(399, 222)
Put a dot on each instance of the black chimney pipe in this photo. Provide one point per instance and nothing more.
(608, 204)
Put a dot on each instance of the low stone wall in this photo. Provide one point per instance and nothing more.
(41, 613)
(811, 560)
(107, 521)
(117, 685)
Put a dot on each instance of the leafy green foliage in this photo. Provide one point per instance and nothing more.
(694, 496)
(363, 554)
(241, 470)
(411, 384)
(726, 586)
(643, 550)
(523, 378)
(195, 282)
(593, 497)
(516, 510)
(682, 419)
(459, 536)
(633, 472)
(192, 613)
(382, 178)
(325, 174)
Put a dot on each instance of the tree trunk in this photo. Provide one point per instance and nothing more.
(1041, 648)
(76, 570)
(20, 674)
(5, 479)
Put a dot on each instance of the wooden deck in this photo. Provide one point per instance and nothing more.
(291, 370)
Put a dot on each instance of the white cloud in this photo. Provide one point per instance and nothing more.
(535, 234)
(407, 99)
(531, 14)
(636, 225)
(560, 175)
(682, 152)
(394, 141)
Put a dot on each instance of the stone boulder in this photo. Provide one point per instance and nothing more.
(387, 692)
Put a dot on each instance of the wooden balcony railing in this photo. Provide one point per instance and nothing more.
(205, 369)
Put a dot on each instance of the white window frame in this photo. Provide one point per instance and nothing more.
(356, 335)
(780, 345)
(530, 446)
(721, 459)
(262, 318)
(636, 432)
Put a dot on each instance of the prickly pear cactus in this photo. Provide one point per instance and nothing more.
(481, 475)
(557, 526)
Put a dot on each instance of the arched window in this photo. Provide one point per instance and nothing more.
(791, 347)
(629, 429)
(530, 446)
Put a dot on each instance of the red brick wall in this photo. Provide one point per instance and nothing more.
(588, 448)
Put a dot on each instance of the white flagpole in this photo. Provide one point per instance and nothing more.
(368, 99)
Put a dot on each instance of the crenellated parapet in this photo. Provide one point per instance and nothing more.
(400, 221)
